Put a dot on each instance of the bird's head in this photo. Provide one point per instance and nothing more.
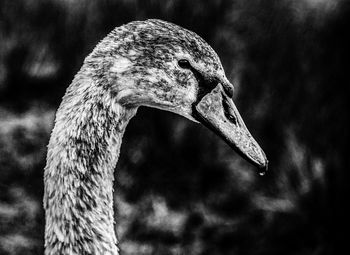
(158, 64)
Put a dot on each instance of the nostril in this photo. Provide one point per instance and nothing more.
(231, 118)
(228, 114)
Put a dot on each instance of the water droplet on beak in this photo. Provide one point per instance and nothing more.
(262, 172)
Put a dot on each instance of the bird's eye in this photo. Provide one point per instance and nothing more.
(183, 63)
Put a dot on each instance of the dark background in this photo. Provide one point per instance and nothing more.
(179, 188)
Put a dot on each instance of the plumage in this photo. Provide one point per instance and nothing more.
(143, 63)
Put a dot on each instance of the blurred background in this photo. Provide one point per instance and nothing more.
(179, 188)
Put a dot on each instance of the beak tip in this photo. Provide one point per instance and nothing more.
(263, 168)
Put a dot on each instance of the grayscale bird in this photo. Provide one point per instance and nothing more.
(143, 63)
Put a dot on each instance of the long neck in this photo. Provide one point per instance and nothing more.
(82, 154)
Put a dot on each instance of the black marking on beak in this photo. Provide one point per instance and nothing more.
(205, 83)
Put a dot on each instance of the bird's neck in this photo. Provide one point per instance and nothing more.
(82, 154)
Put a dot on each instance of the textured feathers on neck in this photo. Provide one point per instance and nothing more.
(82, 155)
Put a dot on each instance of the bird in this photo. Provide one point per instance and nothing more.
(150, 63)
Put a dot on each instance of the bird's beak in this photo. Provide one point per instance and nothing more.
(217, 111)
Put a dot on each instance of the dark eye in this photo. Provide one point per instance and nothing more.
(183, 63)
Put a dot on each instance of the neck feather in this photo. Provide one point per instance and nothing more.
(82, 154)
